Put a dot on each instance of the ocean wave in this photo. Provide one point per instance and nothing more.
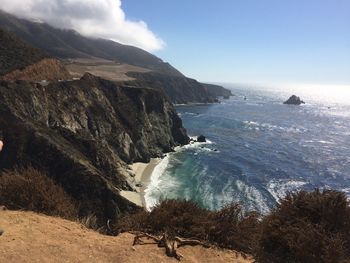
(236, 190)
(150, 199)
(198, 146)
(157, 188)
(252, 125)
(255, 199)
(278, 188)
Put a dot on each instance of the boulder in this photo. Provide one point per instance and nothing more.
(294, 100)
(201, 138)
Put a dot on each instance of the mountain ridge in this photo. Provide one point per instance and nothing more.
(68, 44)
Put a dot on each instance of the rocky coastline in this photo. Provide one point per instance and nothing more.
(84, 133)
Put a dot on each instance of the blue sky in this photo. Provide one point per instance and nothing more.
(252, 41)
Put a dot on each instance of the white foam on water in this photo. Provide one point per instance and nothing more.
(155, 181)
(151, 196)
(279, 188)
(254, 197)
(253, 125)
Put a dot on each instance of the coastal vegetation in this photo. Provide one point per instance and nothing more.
(32, 190)
(303, 227)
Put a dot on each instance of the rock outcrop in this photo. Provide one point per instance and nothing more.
(83, 133)
(294, 100)
(201, 138)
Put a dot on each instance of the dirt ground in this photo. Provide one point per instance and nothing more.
(103, 68)
(30, 237)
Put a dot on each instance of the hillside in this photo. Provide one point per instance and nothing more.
(68, 44)
(21, 61)
(30, 237)
(173, 86)
(15, 54)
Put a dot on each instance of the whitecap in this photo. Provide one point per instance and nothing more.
(155, 181)
(278, 188)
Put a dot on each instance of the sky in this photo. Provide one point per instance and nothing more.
(240, 41)
(260, 41)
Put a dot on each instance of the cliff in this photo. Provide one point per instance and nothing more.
(83, 133)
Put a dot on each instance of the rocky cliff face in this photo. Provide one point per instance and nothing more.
(49, 69)
(84, 132)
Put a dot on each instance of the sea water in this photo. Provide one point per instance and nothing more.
(259, 149)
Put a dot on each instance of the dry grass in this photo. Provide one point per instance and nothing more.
(30, 189)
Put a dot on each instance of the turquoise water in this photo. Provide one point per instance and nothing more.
(259, 149)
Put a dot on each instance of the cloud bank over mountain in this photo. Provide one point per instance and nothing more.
(94, 18)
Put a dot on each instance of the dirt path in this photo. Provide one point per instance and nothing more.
(30, 237)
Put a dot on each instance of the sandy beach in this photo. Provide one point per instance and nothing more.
(143, 173)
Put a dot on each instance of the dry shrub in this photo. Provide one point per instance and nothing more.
(188, 220)
(307, 227)
(91, 222)
(30, 189)
(232, 228)
(182, 218)
(132, 222)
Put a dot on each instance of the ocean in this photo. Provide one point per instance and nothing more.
(258, 148)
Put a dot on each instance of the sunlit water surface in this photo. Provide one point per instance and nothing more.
(259, 148)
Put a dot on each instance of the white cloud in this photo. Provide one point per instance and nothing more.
(95, 18)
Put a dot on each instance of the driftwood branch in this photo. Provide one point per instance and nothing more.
(170, 244)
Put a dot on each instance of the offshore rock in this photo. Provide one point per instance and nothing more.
(294, 100)
(201, 138)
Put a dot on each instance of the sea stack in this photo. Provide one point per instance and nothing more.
(201, 138)
(294, 100)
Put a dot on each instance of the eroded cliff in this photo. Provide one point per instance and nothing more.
(83, 133)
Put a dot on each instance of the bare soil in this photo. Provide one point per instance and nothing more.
(102, 68)
(30, 237)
